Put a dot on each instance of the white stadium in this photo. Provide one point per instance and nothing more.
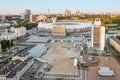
(69, 26)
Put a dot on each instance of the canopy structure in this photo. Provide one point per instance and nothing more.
(105, 71)
(37, 51)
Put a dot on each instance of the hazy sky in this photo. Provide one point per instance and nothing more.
(56, 6)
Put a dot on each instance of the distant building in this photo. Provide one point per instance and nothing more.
(98, 35)
(32, 18)
(77, 13)
(27, 14)
(53, 18)
(67, 12)
(59, 15)
(21, 31)
(22, 16)
(2, 18)
(41, 18)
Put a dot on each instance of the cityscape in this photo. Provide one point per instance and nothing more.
(60, 40)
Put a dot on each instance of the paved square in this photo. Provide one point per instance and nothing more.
(111, 63)
(61, 55)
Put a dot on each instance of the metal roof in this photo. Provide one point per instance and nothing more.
(69, 25)
(37, 51)
(105, 71)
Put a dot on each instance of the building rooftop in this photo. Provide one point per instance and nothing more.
(93, 70)
(111, 24)
(5, 25)
(9, 67)
(116, 39)
(18, 68)
(67, 24)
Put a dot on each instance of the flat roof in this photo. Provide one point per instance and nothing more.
(9, 67)
(37, 39)
(116, 39)
(18, 68)
(68, 25)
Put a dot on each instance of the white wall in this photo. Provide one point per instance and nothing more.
(20, 31)
(102, 43)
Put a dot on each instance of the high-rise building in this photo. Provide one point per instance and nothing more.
(67, 12)
(2, 18)
(33, 18)
(77, 13)
(98, 35)
(27, 14)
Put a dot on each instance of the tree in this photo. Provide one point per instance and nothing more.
(116, 20)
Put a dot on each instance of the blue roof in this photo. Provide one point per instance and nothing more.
(37, 51)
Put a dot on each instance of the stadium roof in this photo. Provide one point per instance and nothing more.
(68, 25)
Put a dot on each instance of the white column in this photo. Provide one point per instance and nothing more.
(92, 34)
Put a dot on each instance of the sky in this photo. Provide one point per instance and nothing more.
(58, 6)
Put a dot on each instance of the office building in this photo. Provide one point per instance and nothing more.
(67, 12)
(27, 14)
(21, 31)
(98, 35)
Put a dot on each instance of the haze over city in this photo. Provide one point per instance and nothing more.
(58, 6)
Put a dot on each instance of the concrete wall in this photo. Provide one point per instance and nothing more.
(20, 31)
(115, 44)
